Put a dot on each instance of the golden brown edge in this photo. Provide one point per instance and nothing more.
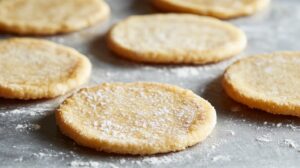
(168, 6)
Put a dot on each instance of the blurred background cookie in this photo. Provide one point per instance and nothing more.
(46, 17)
(176, 39)
(223, 9)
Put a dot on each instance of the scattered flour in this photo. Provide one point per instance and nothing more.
(122, 161)
(219, 143)
(230, 132)
(293, 127)
(221, 158)
(113, 166)
(20, 159)
(41, 155)
(185, 72)
(78, 163)
(147, 160)
(27, 126)
(290, 143)
(35, 111)
(282, 125)
(157, 161)
(278, 125)
(48, 153)
(264, 138)
(213, 147)
(171, 158)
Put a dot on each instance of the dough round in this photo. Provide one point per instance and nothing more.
(223, 9)
(268, 82)
(46, 17)
(34, 69)
(136, 118)
(176, 38)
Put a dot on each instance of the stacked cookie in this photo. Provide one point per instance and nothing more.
(140, 117)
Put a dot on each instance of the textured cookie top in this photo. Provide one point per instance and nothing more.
(223, 9)
(136, 118)
(271, 80)
(176, 38)
(50, 16)
(29, 65)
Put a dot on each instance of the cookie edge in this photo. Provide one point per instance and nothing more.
(168, 6)
(27, 29)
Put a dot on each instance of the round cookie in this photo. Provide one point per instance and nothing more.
(35, 69)
(223, 9)
(175, 38)
(46, 17)
(269, 82)
(136, 118)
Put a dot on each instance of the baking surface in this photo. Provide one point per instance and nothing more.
(242, 138)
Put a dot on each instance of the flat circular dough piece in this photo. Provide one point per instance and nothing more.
(223, 9)
(46, 17)
(175, 38)
(269, 82)
(35, 69)
(136, 118)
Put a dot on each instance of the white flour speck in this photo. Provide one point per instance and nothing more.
(156, 161)
(78, 163)
(27, 126)
(221, 158)
(20, 159)
(263, 138)
(230, 132)
(293, 127)
(113, 166)
(185, 72)
(290, 143)
(278, 125)
(122, 161)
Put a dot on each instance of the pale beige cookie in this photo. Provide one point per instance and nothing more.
(223, 9)
(34, 69)
(45, 17)
(175, 38)
(136, 118)
(269, 82)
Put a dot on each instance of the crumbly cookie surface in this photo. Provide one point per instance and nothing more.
(269, 82)
(136, 118)
(46, 17)
(223, 9)
(34, 69)
(175, 38)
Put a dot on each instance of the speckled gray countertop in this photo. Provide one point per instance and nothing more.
(242, 138)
